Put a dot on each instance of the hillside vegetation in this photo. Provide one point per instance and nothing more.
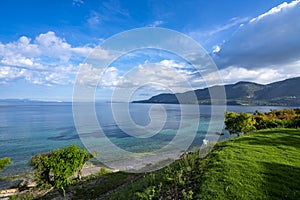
(281, 93)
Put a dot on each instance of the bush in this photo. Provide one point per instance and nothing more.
(274, 123)
(261, 121)
(239, 123)
(59, 165)
(295, 123)
(4, 162)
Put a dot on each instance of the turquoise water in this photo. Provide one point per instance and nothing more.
(28, 128)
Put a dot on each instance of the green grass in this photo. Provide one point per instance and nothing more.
(261, 165)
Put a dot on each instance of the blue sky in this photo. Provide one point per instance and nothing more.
(43, 44)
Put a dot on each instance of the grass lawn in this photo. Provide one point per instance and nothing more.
(261, 165)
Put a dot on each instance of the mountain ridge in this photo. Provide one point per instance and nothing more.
(280, 93)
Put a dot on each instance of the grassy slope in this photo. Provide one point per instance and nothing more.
(261, 165)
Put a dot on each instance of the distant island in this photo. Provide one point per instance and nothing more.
(31, 101)
(281, 93)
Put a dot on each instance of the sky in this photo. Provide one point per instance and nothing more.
(45, 44)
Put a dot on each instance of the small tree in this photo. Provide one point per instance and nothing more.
(239, 123)
(231, 122)
(4, 162)
(296, 123)
(261, 121)
(247, 122)
(59, 165)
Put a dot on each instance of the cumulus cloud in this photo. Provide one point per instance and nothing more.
(52, 46)
(23, 47)
(269, 40)
(47, 60)
(165, 75)
(8, 74)
(50, 60)
(57, 76)
(263, 75)
(91, 76)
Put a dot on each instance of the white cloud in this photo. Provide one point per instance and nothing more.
(262, 75)
(167, 75)
(276, 9)
(46, 60)
(18, 61)
(163, 76)
(58, 76)
(23, 47)
(271, 39)
(52, 46)
(89, 75)
(47, 44)
(7, 74)
(110, 77)
(216, 48)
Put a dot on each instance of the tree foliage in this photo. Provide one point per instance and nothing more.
(239, 123)
(4, 162)
(57, 166)
(244, 122)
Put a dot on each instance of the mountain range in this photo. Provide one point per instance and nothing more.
(281, 93)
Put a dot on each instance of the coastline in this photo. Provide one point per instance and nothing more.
(13, 181)
(17, 183)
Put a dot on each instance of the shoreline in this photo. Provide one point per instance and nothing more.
(13, 181)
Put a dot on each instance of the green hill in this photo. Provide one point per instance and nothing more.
(282, 93)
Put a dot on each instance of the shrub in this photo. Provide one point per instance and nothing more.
(59, 165)
(274, 123)
(295, 123)
(4, 162)
(239, 123)
(261, 121)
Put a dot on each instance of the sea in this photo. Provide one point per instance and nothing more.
(28, 128)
